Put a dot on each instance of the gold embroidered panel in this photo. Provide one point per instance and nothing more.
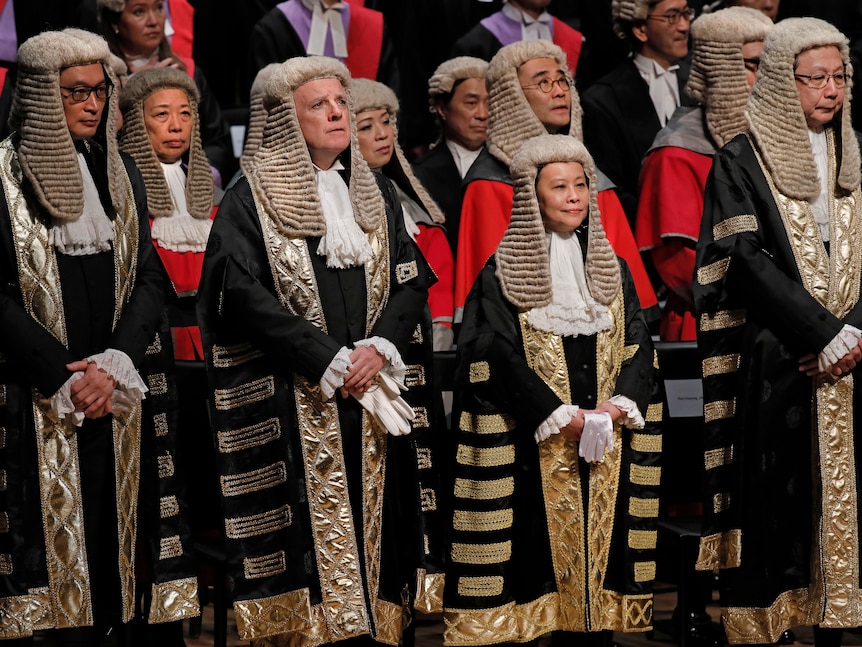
(655, 412)
(236, 440)
(486, 424)
(288, 613)
(494, 553)
(646, 443)
(156, 347)
(479, 372)
(644, 508)
(390, 620)
(629, 613)
(258, 524)
(174, 600)
(157, 383)
(720, 502)
(720, 550)
(643, 539)
(170, 547)
(24, 614)
(713, 272)
(254, 481)
(644, 571)
(645, 475)
(507, 623)
(734, 225)
(482, 520)
(264, 566)
(420, 419)
(166, 466)
(720, 457)
(722, 320)
(415, 375)
(765, 625)
(244, 394)
(720, 410)
(484, 490)
(168, 507)
(235, 355)
(429, 592)
(480, 586)
(486, 456)
(160, 421)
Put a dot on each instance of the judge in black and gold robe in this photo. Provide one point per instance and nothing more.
(556, 473)
(777, 296)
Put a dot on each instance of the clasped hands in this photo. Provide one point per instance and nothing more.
(593, 429)
(91, 393)
(376, 391)
(809, 365)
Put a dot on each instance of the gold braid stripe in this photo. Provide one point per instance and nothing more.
(629, 352)
(713, 272)
(264, 566)
(168, 507)
(486, 424)
(655, 412)
(166, 466)
(239, 396)
(484, 490)
(645, 475)
(235, 440)
(644, 571)
(720, 410)
(720, 502)
(718, 457)
(643, 508)
(721, 550)
(258, 524)
(482, 520)
(158, 383)
(721, 364)
(496, 553)
(5, 564)
(254, 481)
(160, 421)
(170, 547)
(722, 320)
(647, 443)
(479, 587)
(734, 225)
(479, 372)
(643, 539)
(228, 356)
(174, 600)
(486, 456)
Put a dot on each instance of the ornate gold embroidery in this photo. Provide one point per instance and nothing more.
(486, 456)
(643, 539)
(722, 320)
(156, 347)
(506, 623)
(428, 499)
(429, 592)
(486, 424)
(484, 490)
(480, 586)
(174, 600)
(647, 443)
(655, 412)
(258, 524)
(157, 383)
(170, 547)
(721, 550)
(5, 564)
(235, 440)
(719, 410)
(734, 225)
(24, 614)
(239, 396)
(645, 475)
(2, 437)
(630, 351)
(390, 620)
(644, 571)
(415, 375)
(2, 480)
(627, 613)
(720, 502)
(264, 566)
(228, 356)
(160, 422)
(721, 364)
(420, 420)
(253, 481)
(168, 507)
(166, 466)
(644, 508)
(2, 395)
(423, 458)
(749, 625)
(713, 272)
(482, 520)
(418, 338)
(406, 271)
(286, 613)
(495, 553)
(718, 457)
(479, 372)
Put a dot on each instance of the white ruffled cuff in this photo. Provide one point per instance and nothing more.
(120, 367)
(633, 419)
(181, 233)
(559, 418)
(396, 368)
(61, 401)
(333, 376)
(840, 345)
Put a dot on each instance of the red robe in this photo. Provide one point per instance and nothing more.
(485, 214)
(434, 245)
(672, 182)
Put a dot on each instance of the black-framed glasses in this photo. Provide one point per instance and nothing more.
(751, 64)
(819, 81)
(546, 85)
(80, 93)
(673, 16)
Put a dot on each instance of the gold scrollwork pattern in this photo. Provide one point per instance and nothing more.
(629, 613)
(630, 351)
(264, 566)
(174, 600)
(258, 524)
(722, 320)
(734, 225)
(244, 394)
(236, 440)
(253, 481)
(720, 550)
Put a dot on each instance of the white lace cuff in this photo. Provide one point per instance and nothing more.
(120, 367)
(61, 401)
(396, 368)
(559, 418)
(633, 418)
(333, 376)
(840, 345)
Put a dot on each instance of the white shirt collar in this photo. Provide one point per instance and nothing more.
(463, 157)
(663, 86)
(531, 28)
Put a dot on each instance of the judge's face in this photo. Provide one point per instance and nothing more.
(552, 108)
(663, 36)
(820, 106)
(321, 109)
(82, 118)
(169, 120)
(141, 26)
(563, 195)
(751, 57)
(376, 137)
(465, 117)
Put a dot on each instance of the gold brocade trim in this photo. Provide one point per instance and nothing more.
(646, 443)
(713, 272)
(420, 418)
(236, 440)
(480, 587)
(630, 351)
(427, 499)
(156, 347)
(644, 571)
(479, 372)
(485, 456)
(166, 466)
(721, 364)
(643, 508)
(418, 338)
(720, 502)
(484, 490)
(643, 539)
(253, 481)
(288, 613)
(170, 547)
(258, 524)
(719, 410)
(406, 271)
(506, 623)
(229, 356)
(765, 625)
(429, 592)
(24, 614)
(721, 550)
(390, 620)
(645, 475)
(482, 520)
(423, 458)
(655, 412)
(722, 320)
(414, 375)
(629, 613)
(495, 553)
(734, 225)
(168, 507)
(718, 457)
(160, 422)
(264, 566)
(127, 470)
(174, 600)
(5, 564)
(249, 393)
(486, 424)
(157, 383)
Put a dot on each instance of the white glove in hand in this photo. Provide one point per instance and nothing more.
(598, 436)
(383, 401)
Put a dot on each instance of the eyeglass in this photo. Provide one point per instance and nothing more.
(80, 93)
(751, 64)
(546, 85)
(819, 81)
(672, 17)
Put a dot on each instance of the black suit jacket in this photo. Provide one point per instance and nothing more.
(439, 175)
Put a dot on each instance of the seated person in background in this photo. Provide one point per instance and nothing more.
(726, 46)
(459, 98)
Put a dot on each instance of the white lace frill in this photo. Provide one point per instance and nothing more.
(92, 232)
(396, 368)
(344, 244)
(180, 232)
(632, 417)
(841, 344)
(559, 418)
(333, 376)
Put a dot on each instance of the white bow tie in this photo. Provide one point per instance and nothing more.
(325, 19)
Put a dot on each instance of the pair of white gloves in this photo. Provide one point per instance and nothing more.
(383, 401)
(596, 438)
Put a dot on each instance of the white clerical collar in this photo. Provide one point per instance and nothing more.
(650, 67)
(531, 28)
(463, 157)
(326, 19)
(663, 86)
